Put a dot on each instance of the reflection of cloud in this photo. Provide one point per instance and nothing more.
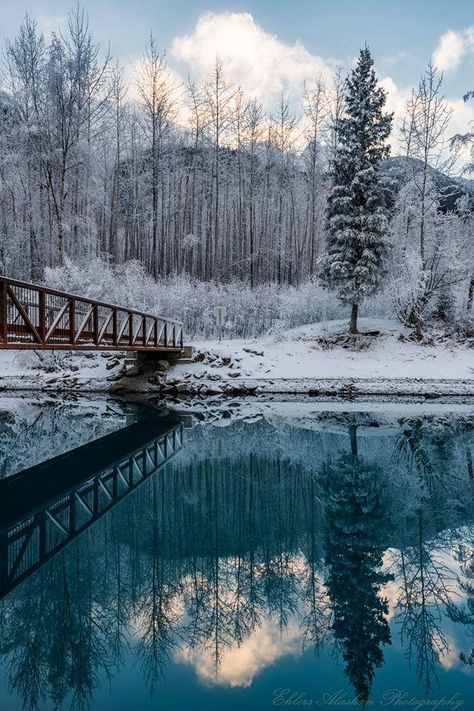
(258, 61)
(443, 560)
(240, 664)
(450, 658)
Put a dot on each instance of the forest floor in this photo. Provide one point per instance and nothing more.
(317, 359)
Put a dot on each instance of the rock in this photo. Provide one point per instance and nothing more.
(132, 371)
(156, 378)
(215, 376)
(226, 360)
(112, 364)
(234, 375)
(252, 352)
(118, 375)
(162, 366)
(74, 368)
(181, 387)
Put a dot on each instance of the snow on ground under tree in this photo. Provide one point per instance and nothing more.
(299, 356)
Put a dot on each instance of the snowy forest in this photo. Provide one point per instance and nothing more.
(127, 184)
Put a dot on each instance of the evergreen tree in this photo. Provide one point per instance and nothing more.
(353, 266)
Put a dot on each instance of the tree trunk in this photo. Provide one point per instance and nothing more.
(354, 314)
(470, 294)
(353, 436)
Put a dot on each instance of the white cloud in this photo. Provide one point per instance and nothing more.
(264, 66)
(453, 47)
(258, 61)
(48, 24)
(450, 50)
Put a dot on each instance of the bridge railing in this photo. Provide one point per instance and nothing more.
(35, 317)
(37, 536)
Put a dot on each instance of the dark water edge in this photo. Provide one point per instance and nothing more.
(289, 554)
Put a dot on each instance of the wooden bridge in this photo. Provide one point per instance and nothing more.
(44, 508)
(36, 318)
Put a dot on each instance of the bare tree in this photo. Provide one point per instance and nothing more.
(157, 92)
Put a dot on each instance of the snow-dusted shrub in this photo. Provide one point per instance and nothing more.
(250, 312)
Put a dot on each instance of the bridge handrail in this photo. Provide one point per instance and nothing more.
(85, 299)
(36, 316)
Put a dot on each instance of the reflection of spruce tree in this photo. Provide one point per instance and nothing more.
(353, 559)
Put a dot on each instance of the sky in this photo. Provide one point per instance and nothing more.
(269, 46)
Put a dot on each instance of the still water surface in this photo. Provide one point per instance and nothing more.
(308, 557)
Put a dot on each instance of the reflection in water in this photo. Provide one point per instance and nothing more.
(354, 547)
(259, 541)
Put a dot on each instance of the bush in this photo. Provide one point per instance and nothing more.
(267, 308)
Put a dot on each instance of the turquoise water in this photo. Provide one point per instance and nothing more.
(298, 556)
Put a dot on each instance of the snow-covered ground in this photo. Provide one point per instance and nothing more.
(25, 370)
(306, 360)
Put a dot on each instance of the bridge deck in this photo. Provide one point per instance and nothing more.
(36, 318)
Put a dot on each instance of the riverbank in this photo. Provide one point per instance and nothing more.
(318, 360)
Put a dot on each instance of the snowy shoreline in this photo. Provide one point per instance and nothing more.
(347, 388)
(310, 360)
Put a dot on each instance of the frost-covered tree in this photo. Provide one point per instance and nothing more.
(430, 252)
(356, 247)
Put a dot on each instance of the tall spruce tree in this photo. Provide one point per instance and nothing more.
(354, 263)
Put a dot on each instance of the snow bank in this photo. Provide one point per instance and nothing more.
(305, 360)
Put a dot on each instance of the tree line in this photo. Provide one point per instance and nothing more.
(198, 179)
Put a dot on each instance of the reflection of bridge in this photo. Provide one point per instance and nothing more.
(32, 317)
(44, 508)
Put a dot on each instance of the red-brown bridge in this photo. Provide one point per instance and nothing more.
(36, 318)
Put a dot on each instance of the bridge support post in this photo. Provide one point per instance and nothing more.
(3, 311)
(42, 315)
(3, 562)
(72, 321)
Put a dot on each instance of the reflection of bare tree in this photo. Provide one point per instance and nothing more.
(316, 617)
(57, 638)
(424, 591)
(213, 627)
(464, 613)
(248, 599)
(425, 587)
(155, 611)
